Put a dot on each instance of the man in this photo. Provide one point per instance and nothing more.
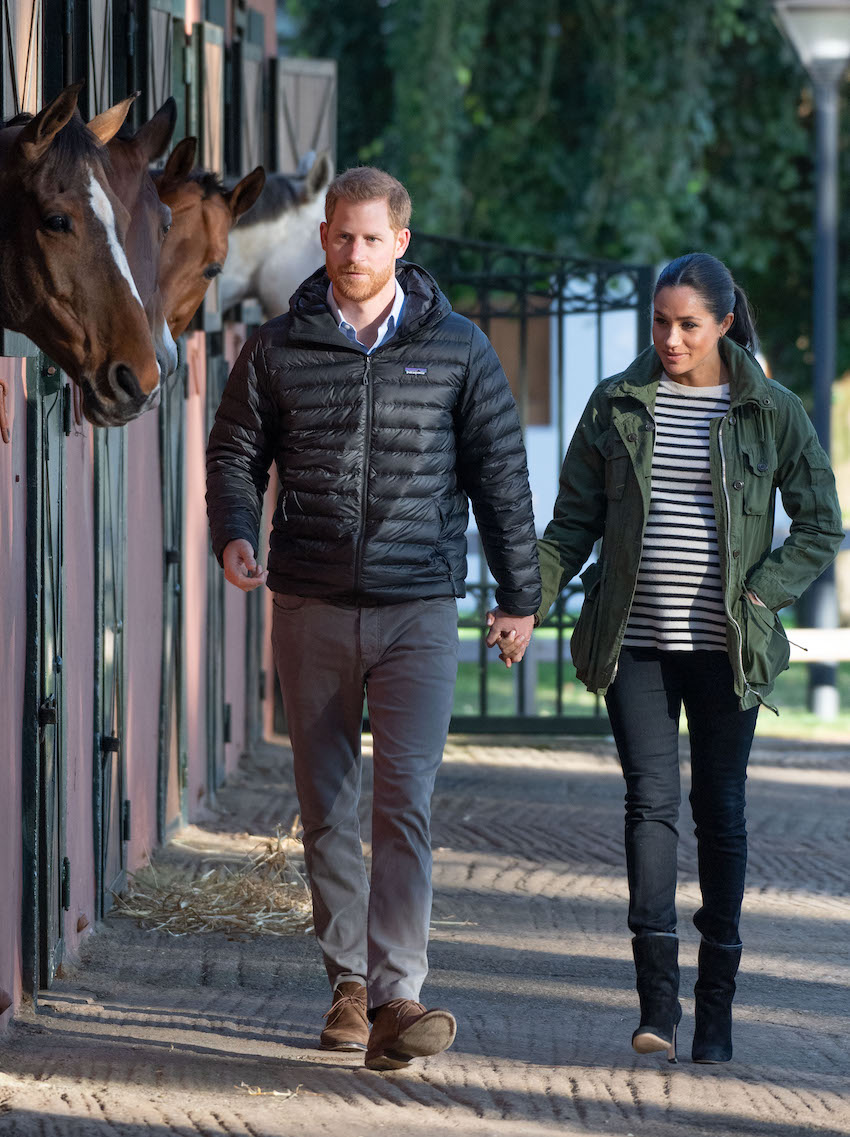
(385, 413)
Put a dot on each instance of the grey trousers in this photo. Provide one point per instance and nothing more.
(404, 658)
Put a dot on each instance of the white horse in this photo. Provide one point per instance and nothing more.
(276, 244)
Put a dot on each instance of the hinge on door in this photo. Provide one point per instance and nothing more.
(47, 712)
(110, 743)
(228, 716)
(172, 556)
(66, 884)
(262, 692)
(125, 820)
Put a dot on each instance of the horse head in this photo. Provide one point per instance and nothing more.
(64, 277)
(203, 212)
(130, 155)
(276, 245)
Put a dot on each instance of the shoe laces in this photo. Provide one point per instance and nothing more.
(353, 999)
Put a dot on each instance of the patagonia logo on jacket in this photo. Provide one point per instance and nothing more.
(416, 370)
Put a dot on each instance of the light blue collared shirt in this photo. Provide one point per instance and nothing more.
(386, 330)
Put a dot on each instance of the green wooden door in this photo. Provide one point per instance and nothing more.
(46, 867)
(112, 808)
(173, 754)
(53, 404)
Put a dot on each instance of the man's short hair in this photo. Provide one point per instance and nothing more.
(366, 183)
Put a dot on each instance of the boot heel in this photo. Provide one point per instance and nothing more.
(671, 1050)
(657, 980)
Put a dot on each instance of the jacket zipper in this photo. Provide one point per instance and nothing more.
(621, 635)
(727, 589)
(364, 481)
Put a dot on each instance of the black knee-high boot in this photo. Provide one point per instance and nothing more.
(657, 980)
(713, 992)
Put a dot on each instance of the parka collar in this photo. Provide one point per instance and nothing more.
(312, 322)
(747, 382)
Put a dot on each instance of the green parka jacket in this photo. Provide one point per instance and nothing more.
(764, 442)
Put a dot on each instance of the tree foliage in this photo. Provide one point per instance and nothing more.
(632, 129)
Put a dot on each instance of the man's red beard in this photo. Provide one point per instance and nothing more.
(355, 288)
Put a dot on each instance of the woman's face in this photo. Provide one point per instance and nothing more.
(686, 335)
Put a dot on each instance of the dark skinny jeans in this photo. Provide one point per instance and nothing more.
(644, 703)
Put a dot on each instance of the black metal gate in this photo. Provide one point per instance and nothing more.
(536, 307)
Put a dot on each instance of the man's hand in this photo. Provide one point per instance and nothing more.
(511, 634)
(240, 566)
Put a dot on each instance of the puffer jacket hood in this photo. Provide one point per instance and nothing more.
(378, 455)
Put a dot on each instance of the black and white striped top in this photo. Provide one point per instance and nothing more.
(678, 601)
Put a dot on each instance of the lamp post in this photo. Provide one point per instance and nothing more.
(819, 31)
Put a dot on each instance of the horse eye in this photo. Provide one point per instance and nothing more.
(166, 228)
(212, 271)
(58, 223)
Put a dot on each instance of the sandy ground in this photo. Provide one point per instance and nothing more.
(158, 1036)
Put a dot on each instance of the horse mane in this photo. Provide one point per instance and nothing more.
(73, 143)
(20, 119)
(209, 182)
(279, 194)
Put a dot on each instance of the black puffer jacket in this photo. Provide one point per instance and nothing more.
(376, 454)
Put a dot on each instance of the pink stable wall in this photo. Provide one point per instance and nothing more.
(195, 542)
(194, 13)
(78, 679)
(143, 600)
(13, 621)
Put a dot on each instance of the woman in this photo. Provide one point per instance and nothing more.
(675, 464)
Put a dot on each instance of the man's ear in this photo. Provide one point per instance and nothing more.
(402, 240)
(323, 234)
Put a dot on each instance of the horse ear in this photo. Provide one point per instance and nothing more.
(181, 162)
(35, 138)
(320, 175)
(106, 125)
(245, 193)
(155, 134)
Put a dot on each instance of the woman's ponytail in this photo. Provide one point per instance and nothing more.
(743, 330)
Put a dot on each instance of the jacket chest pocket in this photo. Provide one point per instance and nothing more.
(759, 473)
(617, 463)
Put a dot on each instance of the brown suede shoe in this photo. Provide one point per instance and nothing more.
(403, 1030)
(347, 1027)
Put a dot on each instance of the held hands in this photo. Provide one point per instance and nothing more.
(511, 634)
(240, 566)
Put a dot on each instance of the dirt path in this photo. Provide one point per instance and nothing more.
(158, 1036)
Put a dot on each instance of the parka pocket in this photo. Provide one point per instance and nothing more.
(821, 489)
(617, 462)
(765, 650)
(760, 470)
(583, 639)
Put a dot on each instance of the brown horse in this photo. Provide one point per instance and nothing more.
(130, 155)
(64, 277)
(203, 213)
